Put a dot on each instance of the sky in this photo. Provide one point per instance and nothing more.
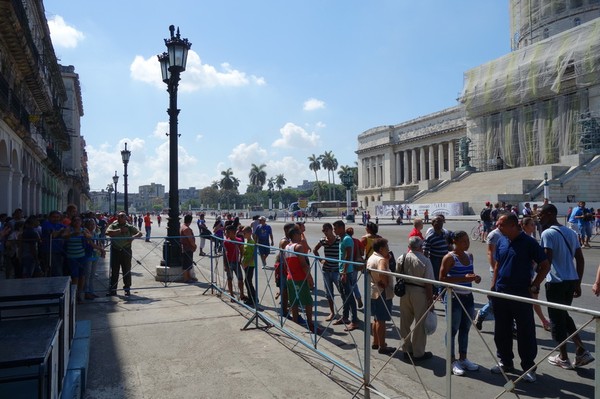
(267, 82)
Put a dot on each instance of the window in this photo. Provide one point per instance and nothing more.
(576, 22)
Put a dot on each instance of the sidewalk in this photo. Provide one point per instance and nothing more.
(176, 342)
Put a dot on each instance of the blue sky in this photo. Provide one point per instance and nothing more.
(267, 82)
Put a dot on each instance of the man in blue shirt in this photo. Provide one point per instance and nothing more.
(263, 235)
(345, 286)
(512, 275)
(563, 284)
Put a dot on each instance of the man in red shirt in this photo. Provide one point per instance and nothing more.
(188, 247)
(147, 225)
(232, 259)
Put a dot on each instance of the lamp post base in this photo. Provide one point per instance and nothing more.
(168, 274)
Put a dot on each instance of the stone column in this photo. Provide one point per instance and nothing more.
(440, 159)
(6, 183)
(398, 177)
(451, 156)
(431, 163)
(422, 173)
(413, 165)
(406, 174)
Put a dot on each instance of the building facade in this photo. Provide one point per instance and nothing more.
(536, 106)
(34, 138)
(396, 162)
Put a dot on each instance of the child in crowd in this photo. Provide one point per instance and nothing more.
(231, 260)
(248, 265)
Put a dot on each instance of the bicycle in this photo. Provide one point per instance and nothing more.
(477, 231)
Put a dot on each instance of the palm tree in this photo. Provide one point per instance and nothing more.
(227, 182)
(326, 164)
(334, 166)
(257, 175)
(317, 189)
(280, 181)
(315, 165)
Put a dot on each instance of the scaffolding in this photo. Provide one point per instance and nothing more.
(589, 133)
(524, 109)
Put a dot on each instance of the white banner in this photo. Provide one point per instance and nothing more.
(417, 210)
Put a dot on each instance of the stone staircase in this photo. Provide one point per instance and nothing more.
(510, 185)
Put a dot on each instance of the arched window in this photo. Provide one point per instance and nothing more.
(546, 33)
(577, 21)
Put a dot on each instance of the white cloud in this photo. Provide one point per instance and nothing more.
(313, 104)
(146, 165)
(199, 137)
(320, 125)
(197, 74)
(244, 155)
(294, 170)
(160, 130)
(62, 34)
(294, 136)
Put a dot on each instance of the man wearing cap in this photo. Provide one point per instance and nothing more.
(122, 234)
(263, 235)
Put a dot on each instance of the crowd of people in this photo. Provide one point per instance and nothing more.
(519, 265)
(70, 244)
(67, 243)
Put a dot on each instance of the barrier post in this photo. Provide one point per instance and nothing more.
(597, 369)
(367, 334)
(449, 300)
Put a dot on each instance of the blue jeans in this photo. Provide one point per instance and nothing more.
(348, 299)
(355, 288)
(148, 229)
(488, 307)
(331, 279)
(461, 323)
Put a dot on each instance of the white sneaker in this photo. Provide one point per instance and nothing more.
(557, 361)
(466, 364)
(530, 377)
(457, 368)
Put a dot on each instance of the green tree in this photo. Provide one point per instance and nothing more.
(258, 175)
(315, 165)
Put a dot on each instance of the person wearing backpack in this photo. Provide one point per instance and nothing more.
(486, 217)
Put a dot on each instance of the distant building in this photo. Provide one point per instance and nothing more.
(186, 194)
(150, 195)
(306, 185)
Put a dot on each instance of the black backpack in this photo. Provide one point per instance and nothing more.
(486, 214)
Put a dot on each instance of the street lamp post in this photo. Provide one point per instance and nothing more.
(172, 63)
(125, 154)
(110, 190)
(115, 181)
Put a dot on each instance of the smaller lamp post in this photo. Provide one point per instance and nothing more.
(115, 181)
(110, 190)
(348, 182)
(546, 187)
(125, 154)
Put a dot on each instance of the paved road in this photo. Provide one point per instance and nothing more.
(399, 378)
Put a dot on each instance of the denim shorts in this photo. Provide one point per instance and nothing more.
(234, 267)
(381, 308)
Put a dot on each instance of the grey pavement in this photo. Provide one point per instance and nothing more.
(182, 342)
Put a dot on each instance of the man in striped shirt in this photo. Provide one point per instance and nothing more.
(435, 246)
